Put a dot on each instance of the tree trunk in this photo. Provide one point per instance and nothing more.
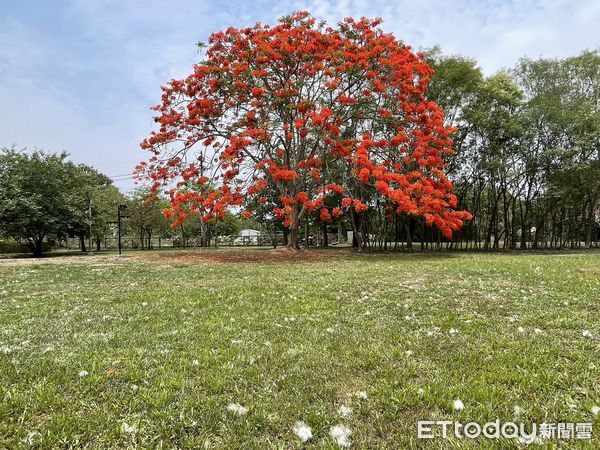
(409, 246)
(306, 234)
(357, 228)
(325, 239)
(286, 233)
(589, 225)
(82, 243)
(36, 245)
(292, 239)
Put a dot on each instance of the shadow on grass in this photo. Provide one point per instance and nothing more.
(264, 254)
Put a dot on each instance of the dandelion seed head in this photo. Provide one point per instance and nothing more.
(31, 438)
(237, 409)
(302, 431)
(361, 394)
(344, 411)
(128, 429)
(340, 435)
(458, 405)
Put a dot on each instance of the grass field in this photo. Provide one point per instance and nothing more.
(151, 351)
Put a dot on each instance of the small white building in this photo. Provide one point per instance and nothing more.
(249, 232)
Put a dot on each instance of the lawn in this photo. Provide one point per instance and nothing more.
(158, 350)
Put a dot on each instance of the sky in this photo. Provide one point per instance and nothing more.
(81, 75)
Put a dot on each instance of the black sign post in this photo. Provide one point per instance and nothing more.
(120, 217)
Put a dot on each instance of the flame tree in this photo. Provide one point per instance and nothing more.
(310, 112)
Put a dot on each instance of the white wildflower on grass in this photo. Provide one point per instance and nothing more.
(128, 429)
(458, 405)
(361, 394)
(302, 431)
(595, 410)
(144, 303)
(518, 410)
(587, 334)
(344, 411)
(237, 409)
(521, 330)
(195, 362)
(420, 391)
(31, 438)
(408, 352)
(83, 373)
(430, 333)
(453, 331)
(538, 331)
(341, 435)
(330, 330)
(236, 341)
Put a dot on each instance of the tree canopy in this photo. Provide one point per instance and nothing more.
(334, 120)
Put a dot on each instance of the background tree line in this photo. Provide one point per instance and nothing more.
(47, 200)
(528, 149)
(527, 167)
(527, 162)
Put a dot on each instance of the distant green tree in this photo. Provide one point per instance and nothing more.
(87, 183)
(147, 217)
(105, 201)
(40, 197)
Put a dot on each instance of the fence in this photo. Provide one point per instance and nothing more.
(134, 243)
